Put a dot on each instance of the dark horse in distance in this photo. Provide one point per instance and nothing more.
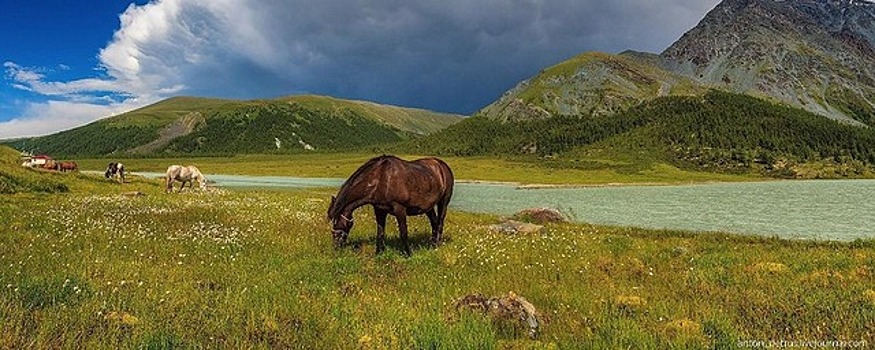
(398, 187)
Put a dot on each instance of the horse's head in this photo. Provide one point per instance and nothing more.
(201, 179)
(340, 228)
(110, 170)
(341, 223)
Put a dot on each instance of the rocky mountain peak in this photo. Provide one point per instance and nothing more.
(815, 54)
(818, 55)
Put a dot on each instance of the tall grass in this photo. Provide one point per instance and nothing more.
(256, 269)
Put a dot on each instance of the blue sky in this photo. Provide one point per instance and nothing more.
(68, 63)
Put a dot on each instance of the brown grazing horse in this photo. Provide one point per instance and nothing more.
(68, 166)
(398, 187)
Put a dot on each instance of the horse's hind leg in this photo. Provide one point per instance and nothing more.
(441, 218)
(380, 216)
(435, 226)
(401, 217)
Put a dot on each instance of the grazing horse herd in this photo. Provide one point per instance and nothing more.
(184, 174)
(47, 163)
(387, 183)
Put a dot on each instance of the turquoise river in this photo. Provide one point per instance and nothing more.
(840, 210)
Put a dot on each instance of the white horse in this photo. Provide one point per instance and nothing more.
(184, 174)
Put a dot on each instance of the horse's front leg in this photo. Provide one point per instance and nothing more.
(380, 216)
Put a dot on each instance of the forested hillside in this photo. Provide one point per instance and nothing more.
(719, 131)
(257, 127)
(201, 126)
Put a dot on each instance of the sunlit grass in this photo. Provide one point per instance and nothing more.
(244, 269)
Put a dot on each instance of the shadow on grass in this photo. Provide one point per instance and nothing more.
(418, 241)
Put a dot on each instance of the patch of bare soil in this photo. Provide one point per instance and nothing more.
(181, 127)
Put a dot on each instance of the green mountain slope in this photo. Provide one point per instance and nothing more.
(592, 84)
(204, 126)
(717, 131)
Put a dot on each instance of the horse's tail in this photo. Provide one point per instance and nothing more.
(449, 179)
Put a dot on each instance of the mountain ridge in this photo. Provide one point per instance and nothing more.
(818, 55)
(593, 83)
(185, 124)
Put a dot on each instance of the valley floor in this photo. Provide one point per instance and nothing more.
(102, 267)
(341, 165)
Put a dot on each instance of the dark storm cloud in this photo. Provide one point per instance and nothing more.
(453, 55)
(450, 55)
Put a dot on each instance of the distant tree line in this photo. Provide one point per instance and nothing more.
(255, 128)
(718, 130)
(88, 140)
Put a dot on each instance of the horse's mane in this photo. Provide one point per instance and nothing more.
(353, 179)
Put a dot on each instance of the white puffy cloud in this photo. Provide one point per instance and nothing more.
(52, 116)
(450, 55)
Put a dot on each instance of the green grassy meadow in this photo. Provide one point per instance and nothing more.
(594, 171)
(95, 268)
